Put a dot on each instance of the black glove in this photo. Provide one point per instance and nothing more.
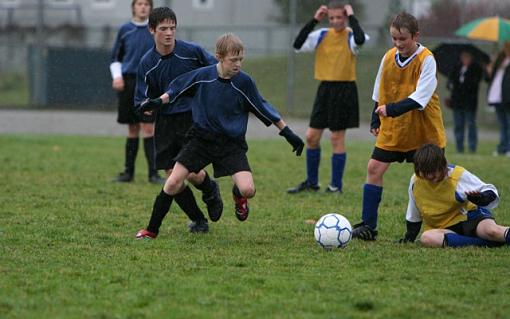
(293, 139)
(150, 105)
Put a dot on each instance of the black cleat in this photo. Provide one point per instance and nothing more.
(213, 202)
(333, 189)
(304, 186)
(199, 226)
(156, 179)
(123, 178)
(364, 232)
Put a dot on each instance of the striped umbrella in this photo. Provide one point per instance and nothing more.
(494, 29)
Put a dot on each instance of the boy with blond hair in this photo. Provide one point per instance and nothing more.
(407, 113)
(222, 98)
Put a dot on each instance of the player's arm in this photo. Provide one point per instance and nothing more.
(418, 100)
(116, 63)
(205, 57)
(303, 34)
(359, 35)
(471, 188)
(413, 217)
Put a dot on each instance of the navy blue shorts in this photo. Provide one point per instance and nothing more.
(227, 155)
(474, 217)
(336, 106)
(126, 107)
(169, 137)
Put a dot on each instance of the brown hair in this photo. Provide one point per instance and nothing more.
(133, 5)
(429, 159)
(229, 43)
(336, 4)
(405, 20)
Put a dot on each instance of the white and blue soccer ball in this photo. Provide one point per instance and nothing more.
(333, 231)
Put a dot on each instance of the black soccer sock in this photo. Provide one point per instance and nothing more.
(207, 185)
(131, 151)
(236, 191)
(159, 210)
(186, 201)
(148, 146)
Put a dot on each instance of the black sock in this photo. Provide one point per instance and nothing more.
(236, 191)
(159, 210)
(130, 156)
(207, 185)
(186, 201)
(148, 146)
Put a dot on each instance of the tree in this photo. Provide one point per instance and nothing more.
(306, 9)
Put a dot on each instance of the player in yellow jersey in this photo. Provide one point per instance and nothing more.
(407, 113)
(336, 103)
(452, 203)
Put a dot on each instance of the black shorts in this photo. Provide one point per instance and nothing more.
(474, 217)
(126, 111)
(336, 106)
(169, 137)
(392, 156)
(227, 155)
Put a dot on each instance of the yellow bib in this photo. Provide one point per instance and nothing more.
(410, 130)
(334, 60)
(437, 203)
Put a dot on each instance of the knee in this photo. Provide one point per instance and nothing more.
(312, 140)
(492, 233)
(432, 239)
(196, 178)
(172, 186)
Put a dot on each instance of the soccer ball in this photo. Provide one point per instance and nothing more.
(333, 231)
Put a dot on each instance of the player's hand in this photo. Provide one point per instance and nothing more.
(381, 110)
(473, 196)
(405, 240)
(321, 13)
(118, 84)
(374, 131)
(293, 139)
(348, 10)
(150, 105)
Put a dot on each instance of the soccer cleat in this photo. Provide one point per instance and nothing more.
(304, 186)
(123, 177)
(156, 179)
(145, 234)
(333, 189)
(199, 226)
(213, 202)
(242, 209)
(364, 232)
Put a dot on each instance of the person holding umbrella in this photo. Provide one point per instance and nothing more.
(499, 97)
(463, 82)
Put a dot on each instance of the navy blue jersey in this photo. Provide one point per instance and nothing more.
(155, 72)
(132, 42)
(221, 105)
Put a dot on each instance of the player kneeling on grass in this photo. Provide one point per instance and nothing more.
(222, 98)
(452, 203)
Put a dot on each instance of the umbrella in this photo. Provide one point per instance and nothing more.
(493, 29)
(447, 55)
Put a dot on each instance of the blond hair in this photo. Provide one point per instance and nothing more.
(229, 43)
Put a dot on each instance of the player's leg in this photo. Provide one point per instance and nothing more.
(313, 158)
(434, 237)
(173, 185)
(489, 230)
(338, 160)
(130, 152)
(210, 193)
(372, 193)
(147, 129)
(243, 189)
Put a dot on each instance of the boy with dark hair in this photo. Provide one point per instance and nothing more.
(222, 98)
(336, 104)
(167, 60)
(452, 203)
(407, 113)
(133, 40)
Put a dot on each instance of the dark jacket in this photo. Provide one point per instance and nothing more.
(465, 94)
(505, 89)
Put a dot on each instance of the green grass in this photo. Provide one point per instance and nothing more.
(68, 251)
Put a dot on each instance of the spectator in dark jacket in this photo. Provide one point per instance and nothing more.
(463, 82)
(499, 97)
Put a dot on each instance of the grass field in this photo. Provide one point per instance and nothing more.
(68, 251)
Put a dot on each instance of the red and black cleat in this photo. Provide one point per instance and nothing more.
(242, 209)
(145, 234)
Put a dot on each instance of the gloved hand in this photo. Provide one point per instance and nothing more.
(405, 240)
(293, 139)
(150, 105)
